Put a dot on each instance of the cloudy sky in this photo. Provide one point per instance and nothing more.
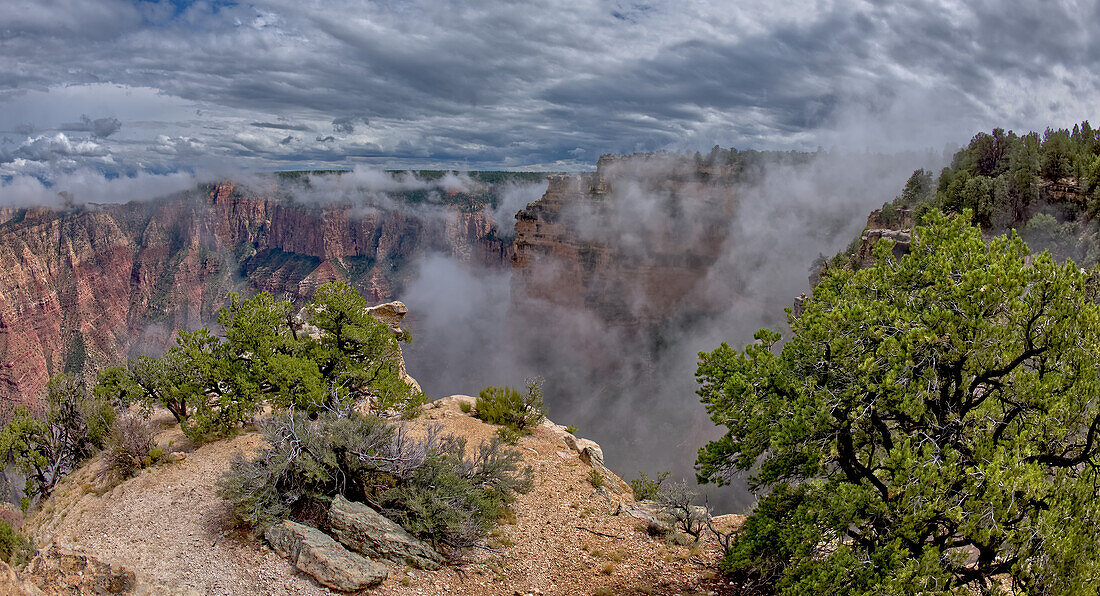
(133, 87)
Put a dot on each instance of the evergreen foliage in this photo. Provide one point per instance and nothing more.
(211, 384)
(508, 407)
(47, 445)
(1005, 180)
(930, 426)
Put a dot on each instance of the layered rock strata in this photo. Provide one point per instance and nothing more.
(83, 287)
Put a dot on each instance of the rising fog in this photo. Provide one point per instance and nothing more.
(636, 397)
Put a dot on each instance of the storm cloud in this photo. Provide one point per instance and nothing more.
(495, 84)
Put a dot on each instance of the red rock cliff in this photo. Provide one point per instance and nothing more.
(79, 288)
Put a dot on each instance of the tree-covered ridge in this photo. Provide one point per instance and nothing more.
(930, 426)
(1046, 185)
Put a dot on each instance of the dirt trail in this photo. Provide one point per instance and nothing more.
(169, 524)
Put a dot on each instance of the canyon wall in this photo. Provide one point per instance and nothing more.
(80, 287)
(630, 244)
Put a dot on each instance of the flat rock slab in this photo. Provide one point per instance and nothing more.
(317, 554)
(364, 530)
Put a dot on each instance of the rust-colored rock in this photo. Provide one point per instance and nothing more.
(81, 287)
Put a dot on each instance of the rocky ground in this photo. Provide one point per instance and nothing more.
(169, 526)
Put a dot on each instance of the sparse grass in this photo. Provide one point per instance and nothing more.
(608, 568)
(595, 478)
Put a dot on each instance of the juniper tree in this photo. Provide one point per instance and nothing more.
(930, 424)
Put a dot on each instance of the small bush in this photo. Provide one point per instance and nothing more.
(466, 407)
(676, 501)
(647, 489)
(508, 407)
(131, 446)
(595, 478)
(509, 435)
(429, 486)
(571, 429)
(15, 550)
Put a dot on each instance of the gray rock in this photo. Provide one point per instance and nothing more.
(315, 553)
(657, 523)
(363, 529)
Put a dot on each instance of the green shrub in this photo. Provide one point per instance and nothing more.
(15, 550)
(428, 485)
(647, 489)
(571, 429)
(595, 478)
(413, 402)
(466, 407)
(508, 407)
(509, 435)
(213, 383)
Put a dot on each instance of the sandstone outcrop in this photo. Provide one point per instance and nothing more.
(83, 286)
(590, 453)
(897, 228)
(369, 533)
(63, 568)
(315, 553)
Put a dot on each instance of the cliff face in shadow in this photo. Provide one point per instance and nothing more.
(80, 287)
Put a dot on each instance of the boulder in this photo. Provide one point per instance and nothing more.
(12, 585)
(657, 523)
(314, 552)
(364, 530)
(65, 568)
(591, 454)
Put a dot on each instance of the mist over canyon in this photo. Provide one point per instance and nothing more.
(607, 284)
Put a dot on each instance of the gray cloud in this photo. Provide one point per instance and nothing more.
(346, 125)
(499, 84)
(100, 127)
(281, 126)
